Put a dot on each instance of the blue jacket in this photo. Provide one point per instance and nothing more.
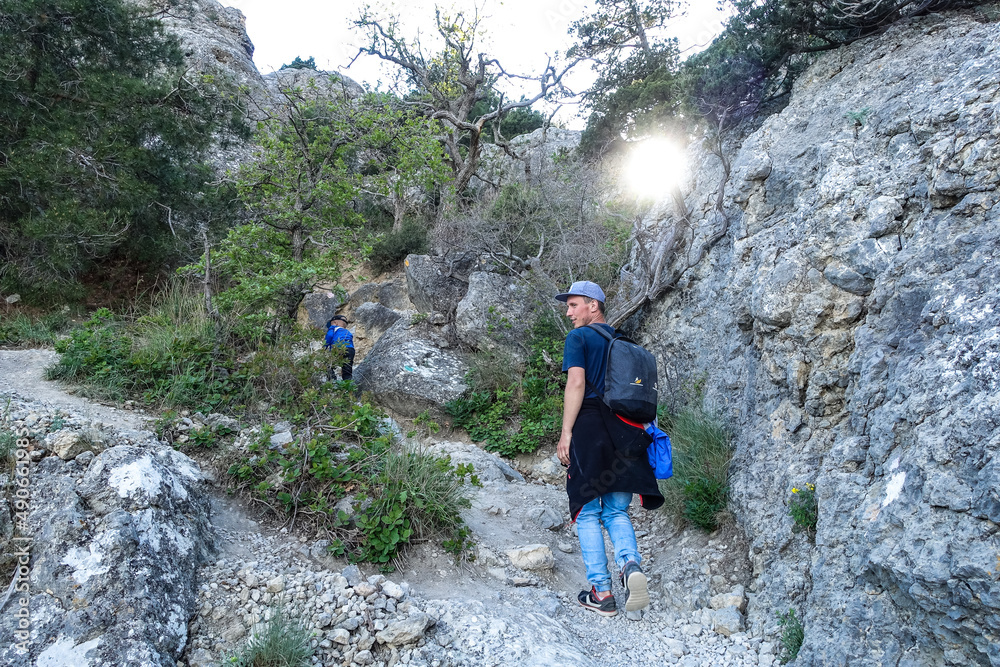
(338, 336)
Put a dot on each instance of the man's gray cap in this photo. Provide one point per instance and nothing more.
(583, 288)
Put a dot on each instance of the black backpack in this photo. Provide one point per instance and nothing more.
(630, 378)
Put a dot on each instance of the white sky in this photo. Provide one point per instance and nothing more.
(521, 33)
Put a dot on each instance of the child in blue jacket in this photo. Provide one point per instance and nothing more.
(337, 335)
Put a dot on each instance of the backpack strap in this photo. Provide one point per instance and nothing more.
(609, 337)
(604, 333)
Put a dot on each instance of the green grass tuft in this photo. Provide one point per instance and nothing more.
(19, 330)
(804, 509)
(281, 641)
(701, 453)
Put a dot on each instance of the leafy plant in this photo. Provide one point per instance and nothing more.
(207, 437)
(57, 424)
(803, 509)
(281, 641)
(412, 494)
(701, 453)
(425, 424)
(396, 494)
(792, 636)
(527, 412)
(858, 117)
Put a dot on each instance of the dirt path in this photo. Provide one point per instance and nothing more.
(22, 372)
(685, 567)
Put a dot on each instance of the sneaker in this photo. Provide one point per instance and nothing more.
(603, 606)
(634, 582)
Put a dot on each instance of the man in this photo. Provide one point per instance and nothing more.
(340, 337)
(600, 481)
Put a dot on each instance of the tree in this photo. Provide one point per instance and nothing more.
(446, 85)
(518, 121)
(635, 92)
(617, 28)
(316, 158)
(298, 63)
(103, 135)
(767, 43)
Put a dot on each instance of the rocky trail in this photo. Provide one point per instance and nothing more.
(514, 604)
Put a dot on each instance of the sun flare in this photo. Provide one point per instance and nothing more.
(655, 167)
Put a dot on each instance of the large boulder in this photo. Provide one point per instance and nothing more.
(409, 371)
(394, 294)
(318, 307)
(437, 284)
(496, 313)
(375, 318)
(114, 548)
(215, 39)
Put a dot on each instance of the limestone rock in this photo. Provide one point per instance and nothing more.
(215, 39)
(549, 470)
(113, 557)
(437, 284)
(393, 294)
(727, 621)
(276, 585)
(375, 318)
(494, 313)
(532, 557)
(735, 598)
(850, 321)
(319, 307)
(312, 83)
(280, 439)
(352, 573)
(409, 374)
(405, 631)
(544, 517)
(541, 150)
(393, 590)
(67, 444)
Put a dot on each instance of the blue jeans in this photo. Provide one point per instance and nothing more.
(611, 509)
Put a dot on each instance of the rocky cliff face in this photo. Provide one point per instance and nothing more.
(214, 39)
(849, 328)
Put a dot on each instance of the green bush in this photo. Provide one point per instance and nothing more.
(167, 358)
(803, 509)
(281, 641)
(701, 453)
(413, 494)
(387, 253)
(177, 356)
(792, 636)
(526, 413)
(90, 183)
(397, 494)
